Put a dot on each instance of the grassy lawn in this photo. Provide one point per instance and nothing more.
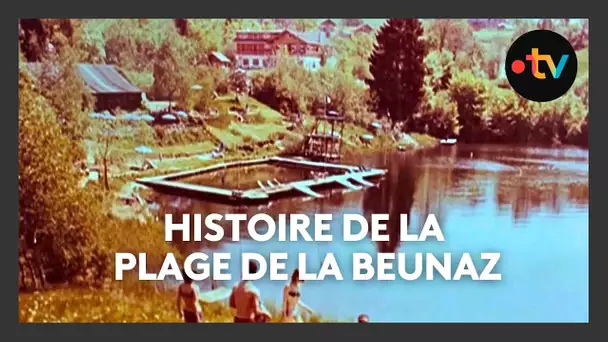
(110, 305)
(124, 302)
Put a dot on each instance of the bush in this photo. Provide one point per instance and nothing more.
(470, 95)
(438, 116)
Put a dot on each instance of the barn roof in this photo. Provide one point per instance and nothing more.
(99, 78)
(102, 79)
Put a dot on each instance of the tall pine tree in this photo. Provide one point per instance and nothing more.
(397, 68)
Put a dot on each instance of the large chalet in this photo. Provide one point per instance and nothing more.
(258, 49)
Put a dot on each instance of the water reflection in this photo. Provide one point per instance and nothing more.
(393, 196)
(497, 198)
(434, 182)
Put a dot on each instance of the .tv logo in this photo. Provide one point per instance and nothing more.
(545, 52)
(535, 58)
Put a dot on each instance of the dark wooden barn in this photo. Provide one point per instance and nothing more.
(110, 87)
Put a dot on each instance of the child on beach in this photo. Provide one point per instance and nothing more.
(187, 294)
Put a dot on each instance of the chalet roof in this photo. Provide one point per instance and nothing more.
(314, 37)
(266, 35)
(99, 78)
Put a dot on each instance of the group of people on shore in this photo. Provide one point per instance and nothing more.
(245, 299)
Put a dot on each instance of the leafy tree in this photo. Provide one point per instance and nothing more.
(439, 70)
(492, 60)
(353, 53)
(173, 75)
(509, 118)
(397, 67)
(182, 26)
(470, 95)
(348, 95)
(60, 82)
(207, 34)
(57, 220)
(305, 24)
(105, 136)
(33, 39)
(438, 116)
(238, 82)
(132, 44)
(452, 34)
(286, 88)
(201, 98)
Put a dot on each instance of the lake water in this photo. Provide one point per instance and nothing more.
(529, 204)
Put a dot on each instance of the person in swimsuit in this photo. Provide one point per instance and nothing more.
(291, 299)
(245, 298)
(187, 294)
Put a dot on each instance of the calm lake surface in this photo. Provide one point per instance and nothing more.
(529, 204)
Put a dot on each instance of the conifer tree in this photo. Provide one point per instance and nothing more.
(397, 68)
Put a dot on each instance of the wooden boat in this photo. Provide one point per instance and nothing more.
(450, 141)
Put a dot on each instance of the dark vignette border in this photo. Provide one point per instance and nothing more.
(309, 8)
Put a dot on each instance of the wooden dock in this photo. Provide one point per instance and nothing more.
(347, 176)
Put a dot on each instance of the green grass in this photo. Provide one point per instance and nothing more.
(224, 104)
(130, 301)
(116, 305)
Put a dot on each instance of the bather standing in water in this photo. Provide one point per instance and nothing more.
(187, 293)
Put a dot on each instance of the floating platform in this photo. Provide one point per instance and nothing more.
(335, 175)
